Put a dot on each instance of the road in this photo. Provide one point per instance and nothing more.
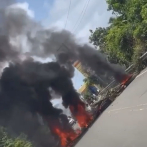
(124, 123)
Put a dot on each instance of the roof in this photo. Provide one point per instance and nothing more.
(76, 63)
(82, 88)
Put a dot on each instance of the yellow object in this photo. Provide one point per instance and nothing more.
(82, 88)
(77, 64)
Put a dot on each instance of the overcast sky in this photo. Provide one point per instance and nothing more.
(83, 16)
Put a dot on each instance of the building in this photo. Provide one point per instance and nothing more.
(93, 88)
(77, 64)
(82, 89)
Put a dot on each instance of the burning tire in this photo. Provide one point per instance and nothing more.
(126, 82)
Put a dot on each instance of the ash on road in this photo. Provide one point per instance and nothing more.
(124, 123)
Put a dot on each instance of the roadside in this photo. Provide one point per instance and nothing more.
(124, 123)
(142, 73)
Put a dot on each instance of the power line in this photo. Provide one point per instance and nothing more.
(67, 14)
(79, 19)
(82, 14)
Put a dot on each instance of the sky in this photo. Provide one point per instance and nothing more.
(83, 16)
(57, 103)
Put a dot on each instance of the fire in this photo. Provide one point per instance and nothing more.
(65, 137)
(81, 115)
(62, 136)
(126, 79)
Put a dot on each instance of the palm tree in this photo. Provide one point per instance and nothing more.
(92, 80)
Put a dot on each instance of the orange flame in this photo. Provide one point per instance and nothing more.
(126, 79)
(65, 137)
(81, 115)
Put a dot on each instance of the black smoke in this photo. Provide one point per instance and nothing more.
(24, 84)
(50, 42)
(25, 91)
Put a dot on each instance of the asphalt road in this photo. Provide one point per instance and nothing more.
(124, 123)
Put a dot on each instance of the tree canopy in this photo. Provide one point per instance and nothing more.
(8, 141)
(125, 39)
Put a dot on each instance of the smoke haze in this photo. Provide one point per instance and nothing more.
(25, 83)
(25, 35)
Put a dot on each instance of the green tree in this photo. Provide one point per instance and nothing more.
(119, 43)
(87, 95)
(93, 80)
(116, 6)
(97, 37)
(7, 141)
(89, 81)
(126, 36)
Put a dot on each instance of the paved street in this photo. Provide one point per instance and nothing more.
(124, 123)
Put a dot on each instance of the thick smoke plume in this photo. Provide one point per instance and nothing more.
(21, 29)
(24, 84)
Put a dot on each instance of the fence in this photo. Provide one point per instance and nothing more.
(128, 70)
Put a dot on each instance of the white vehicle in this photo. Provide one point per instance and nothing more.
(88, 108)
(71, 121)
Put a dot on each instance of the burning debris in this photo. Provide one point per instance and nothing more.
(126, 79)
(81, 115)
(25, 83)
(62, 130)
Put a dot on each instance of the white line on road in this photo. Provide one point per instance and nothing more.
(142, 73)
(124, 108)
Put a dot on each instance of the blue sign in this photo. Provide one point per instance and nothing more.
(93, 90)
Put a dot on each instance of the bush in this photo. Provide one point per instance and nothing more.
(7, 141)
(139, 64)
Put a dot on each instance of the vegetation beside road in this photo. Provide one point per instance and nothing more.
(8, 141)
(123, 42)
(125, 39)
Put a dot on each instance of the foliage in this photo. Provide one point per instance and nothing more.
(125, 39)
(87, 95)
(119, 43)
(139, 64)
(89, 81)
(7, 141)
(97, 38)
(93, 80)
